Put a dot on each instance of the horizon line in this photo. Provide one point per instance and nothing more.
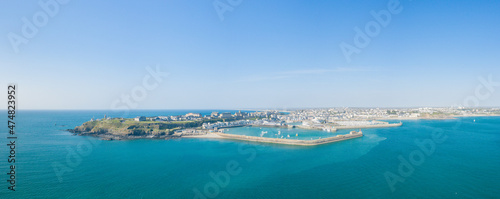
(250, 109)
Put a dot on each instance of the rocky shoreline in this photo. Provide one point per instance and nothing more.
(108, 136)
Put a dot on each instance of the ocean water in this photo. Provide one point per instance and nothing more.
(462, 161)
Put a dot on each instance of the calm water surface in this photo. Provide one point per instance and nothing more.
(51, 163)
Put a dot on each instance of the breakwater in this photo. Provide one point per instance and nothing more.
(369, 126)
(291, 141)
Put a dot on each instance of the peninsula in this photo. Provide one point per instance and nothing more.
(194, 125)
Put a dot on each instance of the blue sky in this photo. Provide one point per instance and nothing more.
(263, 54)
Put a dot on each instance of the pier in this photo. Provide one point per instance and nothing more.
(337, 138)
(369, 126)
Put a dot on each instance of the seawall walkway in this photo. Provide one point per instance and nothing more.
(291, 141)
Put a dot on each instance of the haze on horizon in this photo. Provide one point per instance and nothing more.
(262, 54)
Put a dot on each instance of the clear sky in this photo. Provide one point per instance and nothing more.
(261, 54)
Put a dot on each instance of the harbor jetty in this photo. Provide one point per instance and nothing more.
(337, 138)
(381, 125)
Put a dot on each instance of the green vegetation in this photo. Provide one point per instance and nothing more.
(126, 127)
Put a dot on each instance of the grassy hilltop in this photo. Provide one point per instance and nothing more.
(126, 127)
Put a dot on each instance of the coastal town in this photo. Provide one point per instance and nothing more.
(216, 124)
(342, 116)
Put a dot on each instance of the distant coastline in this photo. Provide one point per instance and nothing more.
(439, 118)
(195, 125)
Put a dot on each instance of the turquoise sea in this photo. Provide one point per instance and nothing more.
(285, 133)
(462, 161)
